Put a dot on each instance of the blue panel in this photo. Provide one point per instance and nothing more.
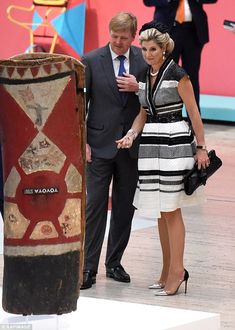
(37, 20)
(71, 26)
(221, 108)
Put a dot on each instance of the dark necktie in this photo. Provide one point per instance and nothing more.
(121, 71)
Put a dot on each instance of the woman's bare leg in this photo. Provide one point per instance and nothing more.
(176, 236)
(164, 240)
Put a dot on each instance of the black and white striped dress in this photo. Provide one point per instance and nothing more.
(166, 149)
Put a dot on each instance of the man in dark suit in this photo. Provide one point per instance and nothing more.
(112, 107)
(189, 35)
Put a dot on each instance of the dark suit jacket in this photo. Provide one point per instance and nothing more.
(107, 118)
(165, 11)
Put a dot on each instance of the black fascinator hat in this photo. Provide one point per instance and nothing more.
(155, 25)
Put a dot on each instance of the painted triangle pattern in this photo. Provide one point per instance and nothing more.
(42, 155)
(71, 27)
(37, 20)
(38, 100)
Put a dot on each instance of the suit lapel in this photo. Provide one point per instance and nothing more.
(107, 66)
(134, 61)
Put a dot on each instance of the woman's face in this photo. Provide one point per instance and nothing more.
(152, 53)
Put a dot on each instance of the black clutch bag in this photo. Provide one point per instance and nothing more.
(195, 177)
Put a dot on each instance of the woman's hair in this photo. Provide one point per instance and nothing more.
(158, 33)
(124, 21)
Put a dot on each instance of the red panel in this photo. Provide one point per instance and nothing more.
(12, 144)
(61, 121)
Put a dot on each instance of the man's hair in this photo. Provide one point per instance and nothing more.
(124, 21)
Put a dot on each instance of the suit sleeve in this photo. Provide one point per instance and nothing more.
(87, 79)
(207, 1)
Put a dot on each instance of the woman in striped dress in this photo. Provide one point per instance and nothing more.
(168, 149)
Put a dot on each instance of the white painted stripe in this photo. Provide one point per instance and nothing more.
(40, 250)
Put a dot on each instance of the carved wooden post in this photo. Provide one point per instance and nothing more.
(43, 149)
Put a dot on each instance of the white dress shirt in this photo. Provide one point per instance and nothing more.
(116, 62)
(187, 12)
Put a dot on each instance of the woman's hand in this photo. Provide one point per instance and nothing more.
(202, 158)
(125, 142)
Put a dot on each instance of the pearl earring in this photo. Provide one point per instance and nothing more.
(163, 57)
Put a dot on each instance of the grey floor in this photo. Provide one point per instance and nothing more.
(209, 251)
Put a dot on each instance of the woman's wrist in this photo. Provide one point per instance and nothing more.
(201, 147)
(132, 133)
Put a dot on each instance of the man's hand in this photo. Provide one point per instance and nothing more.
(127, 83)
(88, 153)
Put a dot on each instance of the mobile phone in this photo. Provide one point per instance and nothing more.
(229, 24)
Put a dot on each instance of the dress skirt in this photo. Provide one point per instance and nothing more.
(166, 154)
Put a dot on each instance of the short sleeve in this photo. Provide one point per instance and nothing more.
(179, 72)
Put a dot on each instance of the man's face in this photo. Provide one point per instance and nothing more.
(121, 41)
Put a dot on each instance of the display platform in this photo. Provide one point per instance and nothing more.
(108, 314)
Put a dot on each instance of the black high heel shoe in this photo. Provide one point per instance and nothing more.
(169, 293)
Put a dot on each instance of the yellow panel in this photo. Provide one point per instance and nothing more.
(50, 2)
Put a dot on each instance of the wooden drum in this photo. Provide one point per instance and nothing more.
(42, 118)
